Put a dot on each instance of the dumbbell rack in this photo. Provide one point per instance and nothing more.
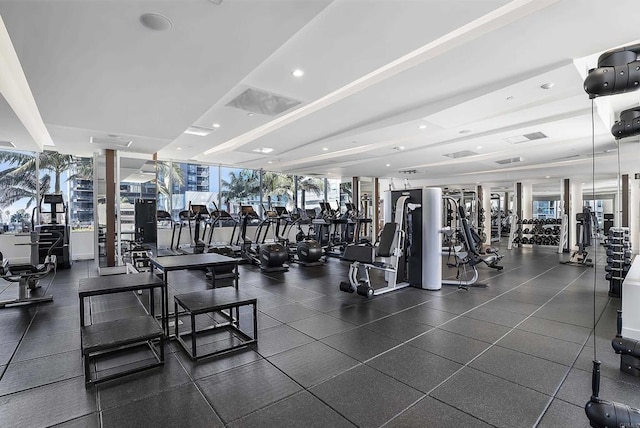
(618, 259)
(538, 232)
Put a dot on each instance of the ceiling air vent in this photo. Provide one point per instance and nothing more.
(408, 171)
(111, 142)
(7, 144)
(517, 139)
(257, 101)
(508, 161)
(461, 154)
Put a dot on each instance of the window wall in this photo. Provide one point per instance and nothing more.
(56, 173)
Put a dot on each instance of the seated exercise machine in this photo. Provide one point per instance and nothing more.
(491, 258)
(409, 250)
(385, 256)
(579, 257)
(28, 276)
(270, 257)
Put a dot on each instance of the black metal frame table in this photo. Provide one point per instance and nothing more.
(216, 300)
(168, 264)
(103, 338)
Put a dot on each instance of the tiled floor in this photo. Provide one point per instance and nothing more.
(514, 354)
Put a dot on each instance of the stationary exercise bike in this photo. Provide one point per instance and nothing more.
(28, 276)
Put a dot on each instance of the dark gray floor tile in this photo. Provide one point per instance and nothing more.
(452, 305)
(41, 371)
(365, 396)
(520, 295)
(429, 316)
(42, 346)
(45, 326)
(450, 345)
(475, 329)
(271, 301)
(6, 351)
(562, 331)
(545, 347)
(291, 312)
(55, 403)
(243, 390)
(182, 406)
(496, 316)
(526, 370)
(321, 326)
(579, 317)
(326, 303)
(216, 364)
(312, 363)
(398, 327)
(121, 391)
(417, 368)
(506, 304)
(609, 364)
(494, 400)
(279, 339)
(576, 389)
(358, 315)
(360, 343)
(87, 421)
(433, 413)
(565, 415)
(299, 410)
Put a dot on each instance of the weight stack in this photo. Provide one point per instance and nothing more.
(618, 259)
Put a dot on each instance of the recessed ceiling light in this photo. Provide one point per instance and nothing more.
(156, 22)
(263, 150)
(216, 125)
(201, 131)
(398, 148)
(509, 98)
(547, 176)
(250, 114)
(423, 126)
(388, 164)
(547, 85)
(297, 72)
(178, 148)
(270, 162)
(478, 148)
(465, 131)
(325, 148)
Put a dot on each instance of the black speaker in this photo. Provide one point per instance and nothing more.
(618, 71)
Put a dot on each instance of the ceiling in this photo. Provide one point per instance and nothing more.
(389, 85)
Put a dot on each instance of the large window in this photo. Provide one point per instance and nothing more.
(18, 190)
(239, 187)
(310, 192)
(278, 190)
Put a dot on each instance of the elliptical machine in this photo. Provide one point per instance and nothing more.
(306, 251)
(270, 257)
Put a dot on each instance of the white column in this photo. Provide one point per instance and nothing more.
(527, 200)
(634, 214)
(432, 238)
(575, 203)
